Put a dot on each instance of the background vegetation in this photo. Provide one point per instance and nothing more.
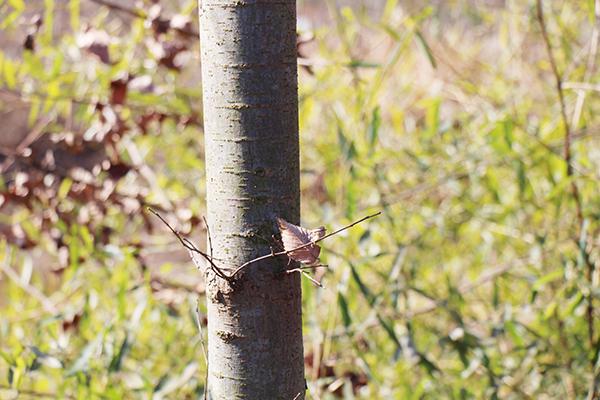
(469, 123)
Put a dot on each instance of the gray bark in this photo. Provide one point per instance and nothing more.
(251, 141)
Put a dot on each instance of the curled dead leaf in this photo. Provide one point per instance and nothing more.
(294, 236)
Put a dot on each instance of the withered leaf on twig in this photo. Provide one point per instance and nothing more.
(294, 236)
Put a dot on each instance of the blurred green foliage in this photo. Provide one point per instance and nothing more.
(478, 281)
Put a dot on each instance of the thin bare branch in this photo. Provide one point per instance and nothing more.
(164, 282)
(118, 7)
(305, 274)
(26, 97)
(314, 266)
(35, 393)
(137, 13)
(303, 269)
(204, 351)
(201, 333)
(35, 132)
(590, 65)
(191, 247)
(297, 396)
(30, 290)
(210, 248)
(582, 86)
(567, 156)
(563, 108)
(286, 252)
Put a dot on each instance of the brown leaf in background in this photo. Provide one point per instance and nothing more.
(72, 323)
(144, 120)
(118, 90)
(159, 25)
(35, 24)
(117, 170)
(29, 43)
(175, 55)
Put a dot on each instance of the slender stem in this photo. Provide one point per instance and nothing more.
(563, 108)
(567, 156)
(29, 289)
(34, 393)
(306, 275)
(191, 247)
(286, 252)
(85, 102)
(314, 266)
(201, 332)
(118, 7)
(209, 238)
(137, 13)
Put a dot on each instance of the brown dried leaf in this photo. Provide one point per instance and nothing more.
(294, 236)
(118, 90)
(72, 324)
(117, 170)
(35, 24)
(29, 43)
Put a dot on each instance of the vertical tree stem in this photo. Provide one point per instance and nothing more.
(568, 159)
(248, 54)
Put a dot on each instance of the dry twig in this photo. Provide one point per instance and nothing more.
(567, 156)
(34, 393)
(34, 292)
(312, 242)
(137, 13)
(192, 248)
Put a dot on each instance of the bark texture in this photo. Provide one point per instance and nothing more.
(251, 140)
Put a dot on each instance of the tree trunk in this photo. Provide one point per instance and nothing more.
(252, 171)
